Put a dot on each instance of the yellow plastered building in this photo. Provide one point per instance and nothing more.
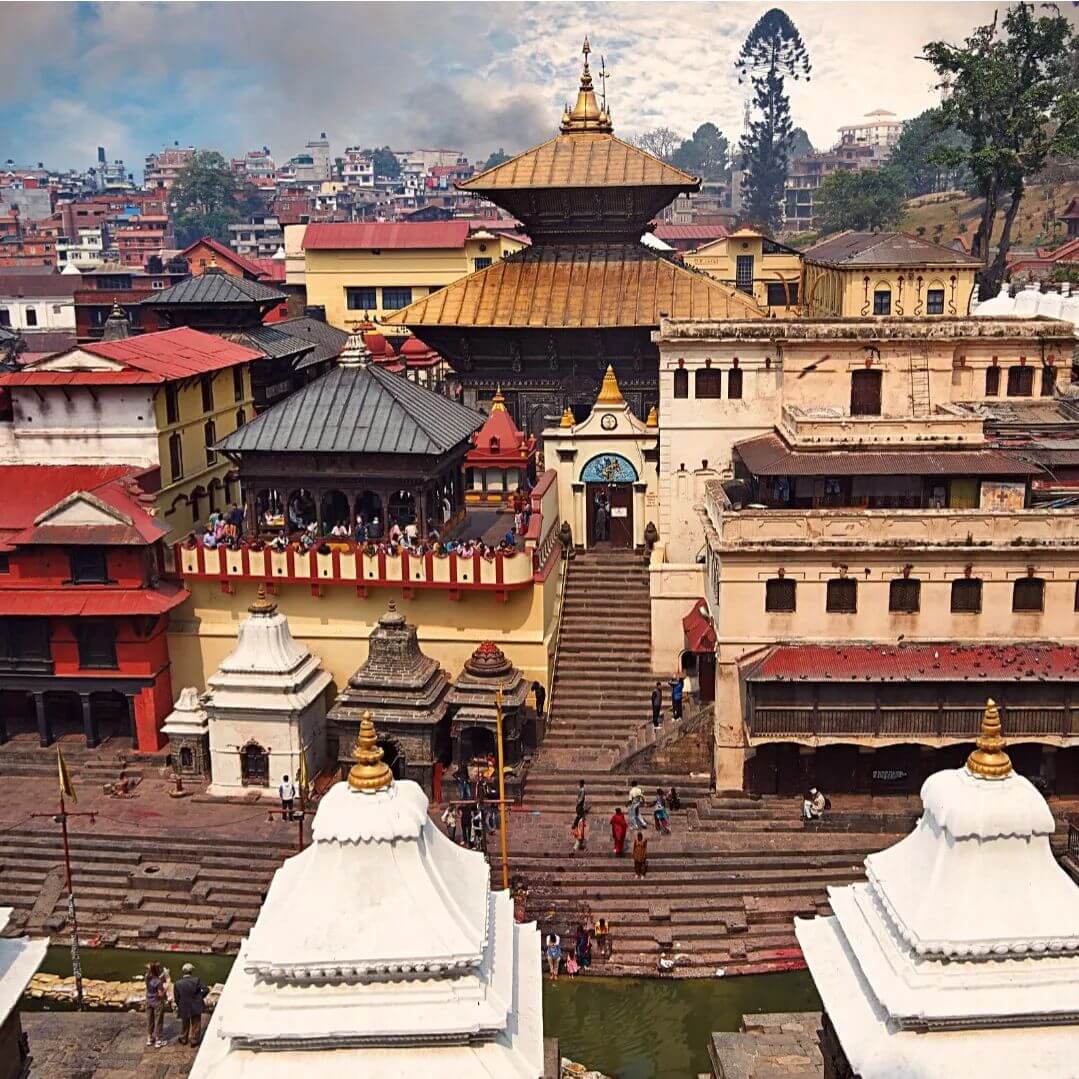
(755, 264)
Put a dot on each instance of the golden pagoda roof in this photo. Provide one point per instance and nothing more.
(578, 286)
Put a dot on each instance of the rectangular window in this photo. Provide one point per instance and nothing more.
(743, 273)
(1049, 381)
(781, 294)
(88, 565)
(395, 298)
(31, 316)
(882, 302)
(482, 263)
(1020, 381)
(5, 563)
(238, 382)
(360, 299)
(865, 393)
(934, 301)
(707, 383)
(5, 317)
(734, 384)
(172, 404)
(904, 595)
(842, 595)
(206, 384)
(681, 382)
(1028, 594)
(22, 640)
(97, 644)
(966, 595)
(992, 381)
(779, 595)
(210, 432)
(176, 456)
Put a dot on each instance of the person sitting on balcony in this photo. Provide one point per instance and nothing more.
(339, 531)
(209, 539)
(360, 533)
(395, 533)
(280, 541)
(813, 805)
(375, 531)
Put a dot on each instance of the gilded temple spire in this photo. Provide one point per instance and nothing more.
(610, 393)
(586, 114)
(989, 761)
(370, 773)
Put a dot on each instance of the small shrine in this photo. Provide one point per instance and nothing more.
(188, 731)
(959, 955)
(502, 459)
(266, 703)
(380, 951)
(406, 692)
(473, 707)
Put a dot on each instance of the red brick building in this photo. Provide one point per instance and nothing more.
(83, 607)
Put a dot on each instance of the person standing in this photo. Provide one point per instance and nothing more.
(580, 799)
(582, 948)
(603, 939)
(287, 790)
(640, 855)
(600, 526)
(479, 835)
(464, 786)
(579, 831)
(659, 814)
(677, 684)
(156, 995)
(636, 798)
(449, 819)
(657, 704)
(541, 698)
(553, 952)
(619, 828)
(189, 994)
(466, 826)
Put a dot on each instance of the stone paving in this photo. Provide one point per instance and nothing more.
(781, 1045)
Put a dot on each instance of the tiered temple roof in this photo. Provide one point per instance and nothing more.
(473, 699)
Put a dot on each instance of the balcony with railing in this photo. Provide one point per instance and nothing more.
(819, 428)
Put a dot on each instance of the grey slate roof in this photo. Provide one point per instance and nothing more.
(270, 341)
(885, 249)
(328, 340)
(214, 287)
(358, 410)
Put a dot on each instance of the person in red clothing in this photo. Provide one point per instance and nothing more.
(619, 828)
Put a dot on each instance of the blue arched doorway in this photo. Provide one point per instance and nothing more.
(608, 480)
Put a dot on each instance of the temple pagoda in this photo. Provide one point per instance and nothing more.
(502, 459)
(545, 322)
(959, 956)
(474, 706)
(380, 952)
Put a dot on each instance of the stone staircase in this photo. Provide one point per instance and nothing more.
(114, 759)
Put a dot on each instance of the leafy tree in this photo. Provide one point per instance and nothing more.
(863, 201)
(660, 142)
(386, 165)
(705, 153)
(1012, 92)
(773, 52)
(206, 198)
(497, 158)
(800, 145)
(924, 147)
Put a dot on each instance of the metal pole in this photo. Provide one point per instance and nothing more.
(303, 809)
(502, 795)
(76, 962)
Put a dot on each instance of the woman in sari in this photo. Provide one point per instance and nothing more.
(619, 828)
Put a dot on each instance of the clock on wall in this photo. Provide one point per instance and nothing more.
(608, 422)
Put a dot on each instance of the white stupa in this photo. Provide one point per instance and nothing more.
(960, 954)
(265, 703)
(380, 952)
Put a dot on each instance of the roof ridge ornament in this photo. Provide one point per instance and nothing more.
(610, 393)
(370, 773)
(568, 419)
(989, 761)
(263, 604)
(498, 402)
(586, 114)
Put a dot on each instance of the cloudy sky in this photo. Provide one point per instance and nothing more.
(474, 76)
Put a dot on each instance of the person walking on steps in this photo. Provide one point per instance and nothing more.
(579, 831)
(636, 798)
(640, 855)
(619, 828)
(580, 799)
(657, 704)
(541, 697)
(677, 685)
(659, 814)
(603, 939)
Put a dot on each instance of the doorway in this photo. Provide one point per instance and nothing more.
(615, 525)
(254, 766)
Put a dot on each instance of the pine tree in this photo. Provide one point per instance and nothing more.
(773, 52)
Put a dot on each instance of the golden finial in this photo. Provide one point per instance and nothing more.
(609, 392)
(498, 404)
(653, 418)
(263, 604)
(989, 761)
(586, 114)
(370, 772)
(117, 310)
(567, 418)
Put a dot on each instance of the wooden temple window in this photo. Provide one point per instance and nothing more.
(238, 382)
(842, 596)
(865, 393)
(88, 565)
(97, 644)
(172, 404)
(1049, 381)
(1028, 594)
(707, 383)
(967, 595)
(780, 595)
(1020, 381)
(904, 595)
(992, 381)
(206, 384)
(210, 432)
(176, 456)
(681, 382)
(734, 384)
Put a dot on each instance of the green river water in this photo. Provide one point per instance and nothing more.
(627, 1028)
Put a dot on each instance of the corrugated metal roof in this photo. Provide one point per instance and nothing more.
(358, 410)
(327, 340)
(886, 249)
(581, 159)
(388, 235)
(76, 378)
(916, 663)
(89, 601)
(179, 353)
(270, 341)
(769, 455)
(578, 286)
(214, 287)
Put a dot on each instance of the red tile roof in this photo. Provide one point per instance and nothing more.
(249, 266)
(666, 231)
(394, 235)
(150, 357)
(91, 602)
(916, 663)
(698, 629)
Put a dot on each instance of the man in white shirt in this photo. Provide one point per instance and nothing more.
(287, 790)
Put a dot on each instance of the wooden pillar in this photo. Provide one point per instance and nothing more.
(132, 728)
(251, 511)
(89, 722)
(318, 495)
(44, 728)
(420, 501)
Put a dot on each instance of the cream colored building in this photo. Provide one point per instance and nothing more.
(361, 272)
(756, 264)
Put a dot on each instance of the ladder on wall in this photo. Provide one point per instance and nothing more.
(919, 381)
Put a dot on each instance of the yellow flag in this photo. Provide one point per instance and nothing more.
(303, 779)
(66, 788)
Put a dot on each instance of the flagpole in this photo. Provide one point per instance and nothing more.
(76, 960)
(302, 784)
(502, 794)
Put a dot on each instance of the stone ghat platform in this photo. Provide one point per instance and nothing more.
(769, 1046)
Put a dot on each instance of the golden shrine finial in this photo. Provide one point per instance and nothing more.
(567, 418)
(610, 393)
(498, 402)
(370, 772)
(989, 761)
(263, 604)
(586, 114)
(653, 418)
